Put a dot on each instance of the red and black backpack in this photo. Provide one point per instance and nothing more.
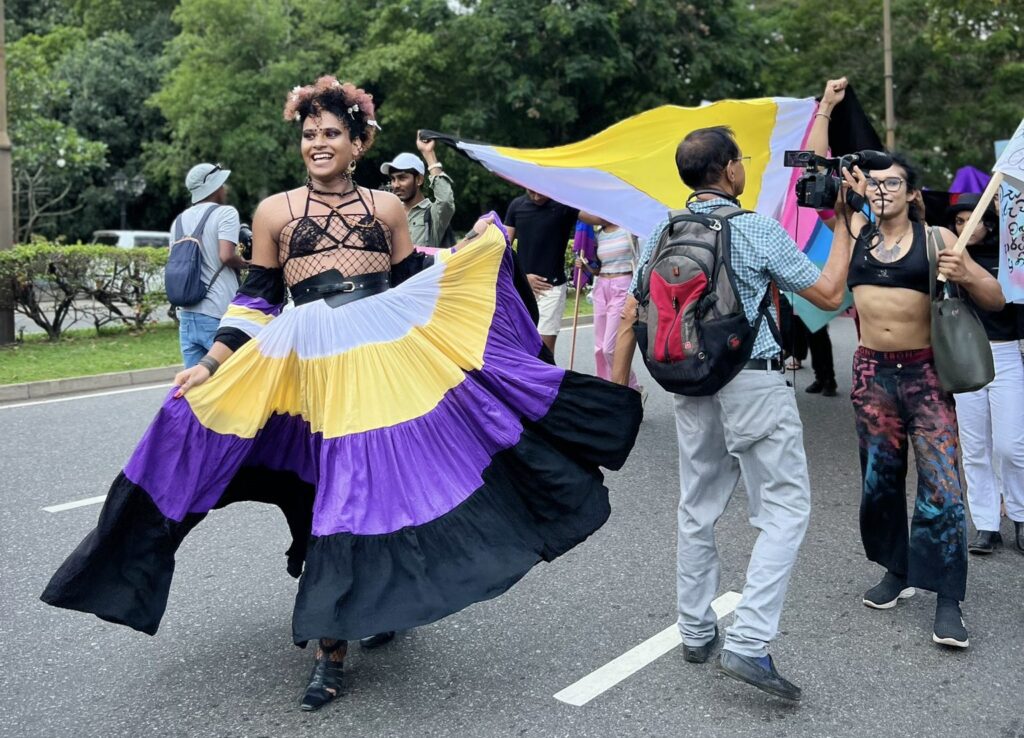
(691, 327)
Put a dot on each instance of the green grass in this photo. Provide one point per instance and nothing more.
(570, 304)
(82, 352)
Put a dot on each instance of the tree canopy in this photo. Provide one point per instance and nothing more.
(154, 86)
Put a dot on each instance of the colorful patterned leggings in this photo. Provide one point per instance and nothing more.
(897, 395)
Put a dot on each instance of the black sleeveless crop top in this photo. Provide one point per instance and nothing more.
(910, 272)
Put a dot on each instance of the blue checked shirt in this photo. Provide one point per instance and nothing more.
(762, 251)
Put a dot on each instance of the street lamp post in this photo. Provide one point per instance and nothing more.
(6, 192)
(127, 189)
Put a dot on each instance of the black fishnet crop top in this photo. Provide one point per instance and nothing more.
(347, 237)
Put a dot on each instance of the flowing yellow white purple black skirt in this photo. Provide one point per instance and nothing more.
(424, 458)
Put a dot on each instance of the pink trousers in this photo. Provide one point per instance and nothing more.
(609, 298)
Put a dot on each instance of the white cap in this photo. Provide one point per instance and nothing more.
(404, 162)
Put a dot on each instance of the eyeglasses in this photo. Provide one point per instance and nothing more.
(216, 168)
(891, 184)
(744, 159)
(962, 219)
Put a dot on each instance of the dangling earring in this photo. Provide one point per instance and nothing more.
(351, 168)
(309, 183)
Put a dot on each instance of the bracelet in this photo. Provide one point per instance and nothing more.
(210, 363)
(436, 165)
(823, 115)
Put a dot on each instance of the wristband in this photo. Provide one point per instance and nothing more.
(435, 165)
(823, 115)
(210, 363)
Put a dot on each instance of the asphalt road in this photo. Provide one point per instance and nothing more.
(223, 663)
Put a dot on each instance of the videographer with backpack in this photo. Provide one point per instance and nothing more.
(702, 310)
(200, 276)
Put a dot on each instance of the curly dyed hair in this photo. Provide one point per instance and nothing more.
(351, 104)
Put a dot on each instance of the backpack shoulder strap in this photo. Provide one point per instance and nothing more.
(198, 235)
(198, 232)
(728, 211)
(428, 218)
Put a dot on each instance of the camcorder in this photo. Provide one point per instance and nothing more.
(822, 180)
(245, 241)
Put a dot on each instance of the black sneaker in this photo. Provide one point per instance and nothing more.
(815, 387)
(831, 389)
(949, 627)
(376, 641)
(888, 592)
(985, 542)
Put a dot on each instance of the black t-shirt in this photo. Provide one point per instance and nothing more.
(1004, 325)
(543, 233)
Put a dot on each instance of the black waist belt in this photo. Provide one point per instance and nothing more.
(765, 365)
(333, 289)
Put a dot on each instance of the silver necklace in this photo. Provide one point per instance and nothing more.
(889, 254)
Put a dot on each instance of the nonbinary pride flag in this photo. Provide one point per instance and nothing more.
(627, 174)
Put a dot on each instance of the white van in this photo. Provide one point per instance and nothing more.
(132, 239)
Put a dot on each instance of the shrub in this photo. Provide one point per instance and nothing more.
(50, 283)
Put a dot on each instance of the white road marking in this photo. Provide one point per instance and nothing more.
(77, 503)
(579, 327)
(162, 385)
(618, 669)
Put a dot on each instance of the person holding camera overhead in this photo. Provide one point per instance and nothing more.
(897, 397)
(333, 411)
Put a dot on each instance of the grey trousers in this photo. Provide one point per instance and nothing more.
(750, 427)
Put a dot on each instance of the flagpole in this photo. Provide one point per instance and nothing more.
(890, 115)
(976, 216)
(575, 319)
(6, 190)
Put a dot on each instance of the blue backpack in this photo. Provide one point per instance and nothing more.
(183, 275)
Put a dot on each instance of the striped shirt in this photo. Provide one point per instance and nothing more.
(762, 251)
(615, 252)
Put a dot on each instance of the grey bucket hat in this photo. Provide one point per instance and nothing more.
(205, 179)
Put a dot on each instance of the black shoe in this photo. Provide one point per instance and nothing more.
(825, 389)
(949, 627)
(700, 654)
(325, 680)
(756, 674)
(888, 592)
(1019, 527)
(376, 641)
(985, 542)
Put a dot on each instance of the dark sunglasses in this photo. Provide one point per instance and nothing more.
(216, 168)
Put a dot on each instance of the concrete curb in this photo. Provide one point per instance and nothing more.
(72, 385)
(114, 380)
(584, 320)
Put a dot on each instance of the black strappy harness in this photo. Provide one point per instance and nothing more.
(364, 236)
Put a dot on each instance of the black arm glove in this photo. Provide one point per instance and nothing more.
(414, 263)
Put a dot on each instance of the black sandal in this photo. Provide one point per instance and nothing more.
(325, 681)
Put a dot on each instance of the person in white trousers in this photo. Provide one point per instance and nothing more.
(991, 420)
